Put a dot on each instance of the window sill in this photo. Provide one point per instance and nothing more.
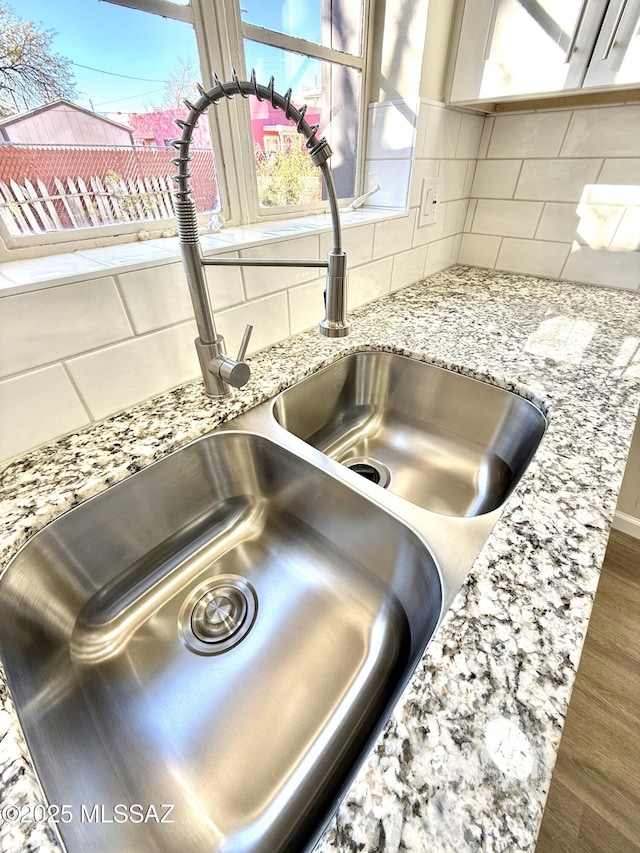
(54, 270)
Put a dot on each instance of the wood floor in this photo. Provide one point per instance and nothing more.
(594, 801)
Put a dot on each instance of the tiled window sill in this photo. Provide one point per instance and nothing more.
(39, 273)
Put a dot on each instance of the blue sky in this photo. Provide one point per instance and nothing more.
(116, 44)
(116, 40)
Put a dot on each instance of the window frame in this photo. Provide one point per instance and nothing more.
(219, 33)
(230, 124)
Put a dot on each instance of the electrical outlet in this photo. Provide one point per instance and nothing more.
(429, 201)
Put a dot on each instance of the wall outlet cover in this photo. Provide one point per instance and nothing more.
(429, 201)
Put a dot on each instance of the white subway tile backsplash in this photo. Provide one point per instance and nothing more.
(469, 178)
(391, 130)
(224, 285)
(37, 407)
(306, 306)
(268, 316)
(556, 180)
(495, 178)
(259, 281)
(441, 136)
(471, 212)
(598, 223)
(421, 127)
(118, 376)
(626, 195)
(454, 216)
(156, 297)
(357, 243)
(563, 178)
(369, 282)
(621, 171)
(559, 221)
(487, 131)
(528, 135)
(455, 254)
(394, 179)
(408, 267)
(609, 216)
(627, 235)
(159, 296)
(46, 325)
(590, 186)
(603, 266)
(441, 255)
(457, 176)
(393, 235)
(506, 218)
(604, 132)
(469, 136)
(533, 257)
(479, 250)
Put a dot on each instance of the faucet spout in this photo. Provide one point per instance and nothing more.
(220, 372)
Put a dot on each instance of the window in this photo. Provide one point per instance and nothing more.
(315, 48)
(87, 150)
(92, 157)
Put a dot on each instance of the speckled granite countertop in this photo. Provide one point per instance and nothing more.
(466, 759)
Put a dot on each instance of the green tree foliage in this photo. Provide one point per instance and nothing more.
(31, 73)
(287, 176)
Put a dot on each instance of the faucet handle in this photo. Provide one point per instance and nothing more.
(244, 343)
(233, 372)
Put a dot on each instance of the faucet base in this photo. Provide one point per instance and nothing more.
(334, 330)
(335, 323)
(214, 385)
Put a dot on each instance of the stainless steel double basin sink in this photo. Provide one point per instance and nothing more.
(202, 656)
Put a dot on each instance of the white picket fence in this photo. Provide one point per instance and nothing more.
(30, 208)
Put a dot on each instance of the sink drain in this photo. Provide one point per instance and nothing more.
(370, 469)
(217, 614)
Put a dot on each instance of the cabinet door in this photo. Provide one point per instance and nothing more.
(509, 48)
(616, 57)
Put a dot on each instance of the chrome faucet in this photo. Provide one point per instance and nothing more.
(220, 372)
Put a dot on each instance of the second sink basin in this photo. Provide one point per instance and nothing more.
(442, 441)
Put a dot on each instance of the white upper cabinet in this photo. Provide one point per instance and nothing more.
(508, 49)
(616, 57)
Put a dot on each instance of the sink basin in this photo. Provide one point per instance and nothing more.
(201, 656)
(443, 441)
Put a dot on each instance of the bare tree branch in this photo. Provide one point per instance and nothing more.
(180, 85)
(31, 73)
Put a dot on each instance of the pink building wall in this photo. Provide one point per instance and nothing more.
(155, 128)
(264, 115)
